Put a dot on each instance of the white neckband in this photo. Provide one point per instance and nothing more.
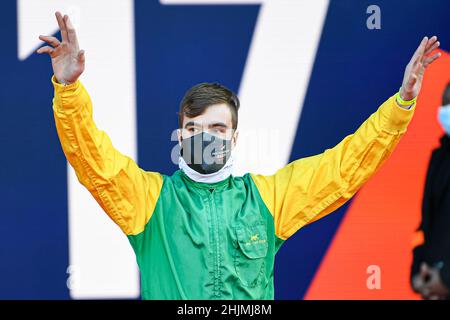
(220, 175)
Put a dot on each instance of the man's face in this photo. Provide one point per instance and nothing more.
(216, 120)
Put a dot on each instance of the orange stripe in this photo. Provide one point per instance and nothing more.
(381, 220)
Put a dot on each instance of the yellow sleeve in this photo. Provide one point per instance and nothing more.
(126, 193)
(307, 189)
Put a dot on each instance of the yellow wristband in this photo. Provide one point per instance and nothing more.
(405, 103)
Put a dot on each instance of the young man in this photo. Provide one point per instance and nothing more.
(203, 233)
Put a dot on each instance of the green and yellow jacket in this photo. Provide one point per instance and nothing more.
(217, 241)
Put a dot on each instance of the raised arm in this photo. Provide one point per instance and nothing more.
(126, 193)
(310, 188)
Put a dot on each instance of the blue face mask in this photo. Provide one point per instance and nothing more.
(444, 118)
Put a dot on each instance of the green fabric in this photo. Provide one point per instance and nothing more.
(207, 241)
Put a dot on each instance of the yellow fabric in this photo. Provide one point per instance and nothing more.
(126, 193)
(307, 189)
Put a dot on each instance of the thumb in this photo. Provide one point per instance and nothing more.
(81, 57)
(424, 269)
(412, 80)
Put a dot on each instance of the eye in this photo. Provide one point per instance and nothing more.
(192, 130)
(219, 130)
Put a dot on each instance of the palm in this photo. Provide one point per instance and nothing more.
(67, 58)
(66, 65)
(415, 70)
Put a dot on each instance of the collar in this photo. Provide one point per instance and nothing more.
(220, 175)
(445, 140)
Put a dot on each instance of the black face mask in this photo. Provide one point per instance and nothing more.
(205, 153)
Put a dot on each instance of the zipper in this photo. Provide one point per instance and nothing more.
(217, 243)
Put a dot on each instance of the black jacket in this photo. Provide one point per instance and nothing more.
(436, 214)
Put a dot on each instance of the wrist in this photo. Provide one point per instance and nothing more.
(402, 102)
(62, 87)
(63, 82)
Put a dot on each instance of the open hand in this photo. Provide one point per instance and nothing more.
(412, 80)
(67, 58)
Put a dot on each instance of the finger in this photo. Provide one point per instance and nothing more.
(417, 70)
(430, 60)
(419, 286)
(424, 269)
(420, 50)
(412, 81)
(70, 30)
(431, 42)
(432, 47)
(425, 293)
(46, 49)
(50, 40)
(81, 57)
(420, 282)
(62, 26)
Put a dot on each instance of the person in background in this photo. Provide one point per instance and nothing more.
(430, 271)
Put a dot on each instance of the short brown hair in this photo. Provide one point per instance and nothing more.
(198, 98)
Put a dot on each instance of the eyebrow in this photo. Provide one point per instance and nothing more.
(192, 123)
(218, 124)
(212, 125)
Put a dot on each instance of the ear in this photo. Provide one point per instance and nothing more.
(234, 138)
(180, 136)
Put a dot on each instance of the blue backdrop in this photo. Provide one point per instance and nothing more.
(355, 70)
